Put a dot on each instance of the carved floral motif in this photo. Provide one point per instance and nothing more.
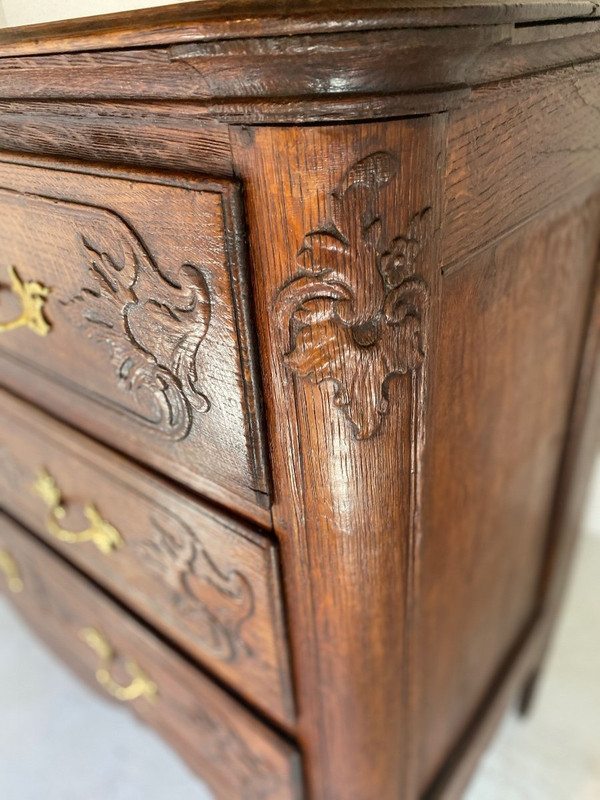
(216, 603)
(152, 326)
(355, 312)
(222, 744)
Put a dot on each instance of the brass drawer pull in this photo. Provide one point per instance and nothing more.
(10, 569)
(100, 532)
(32, 296)
(141, 685)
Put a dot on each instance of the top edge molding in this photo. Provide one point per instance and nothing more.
(214, 20)
(248, 62)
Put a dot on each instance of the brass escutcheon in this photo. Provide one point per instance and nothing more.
(32, 296)
(10, 569)
(100, 532)
(141, 685)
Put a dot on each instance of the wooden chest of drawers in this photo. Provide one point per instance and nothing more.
(299, 368)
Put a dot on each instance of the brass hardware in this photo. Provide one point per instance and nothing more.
(32, 296)
(100, 532)
(140, 686)
(11, 572)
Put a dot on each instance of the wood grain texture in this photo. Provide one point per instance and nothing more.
(581, 451)
(533, 48)
(161, 136)
(237, 755)
(422, 290)
(506, 360)
(283, 110)
(518, 676)
(452, 782)
(317, 66)
(287, 73)
(209, 583)
(343, 228)
(148, 317)
(223, 19)
(507, 158)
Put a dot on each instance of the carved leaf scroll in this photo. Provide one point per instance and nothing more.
(217, 602)
(355, 312)
(224, 745)
(151, 325)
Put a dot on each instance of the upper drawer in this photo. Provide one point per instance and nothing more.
(123, 308)
(207, 582)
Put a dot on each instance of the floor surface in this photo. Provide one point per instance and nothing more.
(555, 753)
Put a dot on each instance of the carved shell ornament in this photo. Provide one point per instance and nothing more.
(151, 326)
(217, 602)
(355, 312)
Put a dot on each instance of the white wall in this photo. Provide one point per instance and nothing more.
(591, 524)
(29, 12)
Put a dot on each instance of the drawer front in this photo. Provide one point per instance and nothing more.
(234, 752)
(123, 309)
(209, 583)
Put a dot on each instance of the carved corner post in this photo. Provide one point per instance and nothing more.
(344, 224)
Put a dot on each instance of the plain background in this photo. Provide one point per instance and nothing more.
(30, 12)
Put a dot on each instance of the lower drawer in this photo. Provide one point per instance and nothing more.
(234, 752)
(209, 583)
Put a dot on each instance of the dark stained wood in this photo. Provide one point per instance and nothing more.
(420, 276)
(327, 66)
(280, 110)
(293, 68)
(235, 753)
(451, 783)
(536, 47)
(522, 669)
(506, 158)
(582, 447)
(215, 19)
(344, 332)
(511, 326)
(166, 137)
(148, 319)
(208, 582)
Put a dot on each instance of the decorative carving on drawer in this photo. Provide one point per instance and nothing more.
(151, 348)
(152, 325)
(354, 313)
(224, 745)
(217, 603)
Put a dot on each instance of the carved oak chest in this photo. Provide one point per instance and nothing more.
(299, 369)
